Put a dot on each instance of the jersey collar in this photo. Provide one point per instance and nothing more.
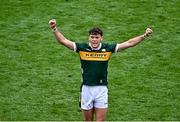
(98, 48)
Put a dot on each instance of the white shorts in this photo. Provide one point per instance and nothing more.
(94, 96)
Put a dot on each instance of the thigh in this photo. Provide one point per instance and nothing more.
(101, 114)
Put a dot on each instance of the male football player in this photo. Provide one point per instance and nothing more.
(94, 56)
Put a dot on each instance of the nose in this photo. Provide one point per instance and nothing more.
(93, 39)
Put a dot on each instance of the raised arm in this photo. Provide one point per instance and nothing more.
(60, 38)
(134, 41)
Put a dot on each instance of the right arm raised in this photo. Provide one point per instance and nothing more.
(60, 38)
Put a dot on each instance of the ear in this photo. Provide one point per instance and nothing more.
(101, 38)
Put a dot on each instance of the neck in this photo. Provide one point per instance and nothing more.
(95, 48)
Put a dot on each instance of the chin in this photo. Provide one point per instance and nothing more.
(96, 46)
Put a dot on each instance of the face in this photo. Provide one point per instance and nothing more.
(95, 40)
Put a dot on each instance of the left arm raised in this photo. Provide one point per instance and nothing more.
(134, 41)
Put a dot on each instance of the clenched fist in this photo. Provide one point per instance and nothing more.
(148, 32)
(52, 23)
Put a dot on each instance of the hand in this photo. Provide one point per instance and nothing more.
(148, 32)
(52, 23)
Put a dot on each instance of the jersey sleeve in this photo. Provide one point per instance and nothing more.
(112, 48)
(79, 47)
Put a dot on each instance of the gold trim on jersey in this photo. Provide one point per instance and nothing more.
(95, 56)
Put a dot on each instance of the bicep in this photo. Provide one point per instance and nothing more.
(123, 46)
(69, 44)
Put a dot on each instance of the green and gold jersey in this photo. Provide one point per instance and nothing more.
(94, 63)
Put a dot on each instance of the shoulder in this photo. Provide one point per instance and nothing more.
(110, 47)
(108, 44)
(81, 46)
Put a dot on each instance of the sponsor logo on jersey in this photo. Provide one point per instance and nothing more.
(95, 56)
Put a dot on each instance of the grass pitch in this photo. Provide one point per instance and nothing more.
(40, 79)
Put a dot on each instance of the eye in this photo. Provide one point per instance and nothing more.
(92, 37)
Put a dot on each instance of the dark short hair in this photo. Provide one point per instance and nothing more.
(95, 31)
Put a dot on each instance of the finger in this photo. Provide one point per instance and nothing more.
(53, 26)
(148, 30)
(52, 21)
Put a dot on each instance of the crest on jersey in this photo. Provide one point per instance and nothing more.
(103, 50)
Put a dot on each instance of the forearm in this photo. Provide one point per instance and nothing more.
(62, 40)
(59, 37)
(136, 40)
